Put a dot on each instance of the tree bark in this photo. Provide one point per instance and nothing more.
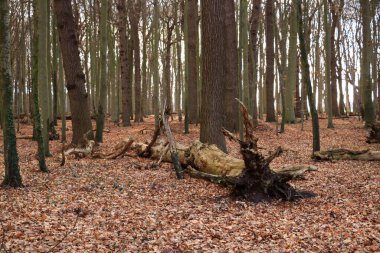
(306, 77)
(290, 83)
(231, 119)
(269, 77)
(365, 71)
(213, 48)
(103, 72)
(75, 77)
(256, 9)
(192, 23)
(126, 86)
(11, 161)
(134, 20)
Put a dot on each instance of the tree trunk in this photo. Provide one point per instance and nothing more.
(365, 71)
(192, 40)
(269, 77)
(333, 65)
(12, 170)
(213, 48)
(156, 74)
(256, 9)
(306, 77)
(126, 86)
(290, 83)
(75, 77)
(167, 67)
(327, 44)
(134, 20)
(43, 79)
(231, 119)
(103, 72)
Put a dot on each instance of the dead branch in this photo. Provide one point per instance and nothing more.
(345, 154)
(119, 150)
(172, 145)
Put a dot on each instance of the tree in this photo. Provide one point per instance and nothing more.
(103, 71)
(290, 83)
(192, 77)
(156, 74)
(231, 121)
(327, 44)
(213, 48)
(126, 84)
(35, 92)
(365, 71)
(134, 20)
(333, 64)
(74, 75)
(12, 170)
(269, 76)
(43, 79)
(254, 55)
(306, 77)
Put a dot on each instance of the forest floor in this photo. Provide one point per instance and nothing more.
(120, 206)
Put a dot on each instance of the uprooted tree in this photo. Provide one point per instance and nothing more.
(251, 178)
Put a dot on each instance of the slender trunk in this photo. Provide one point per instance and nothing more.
(179, 63)
(327, 44)
(333, 64)
(256, 9)
(365, 75)
(231, 119)
(269, 41)
(192, 40)
(35, 94)
(135, 18)
(290, 83)
(103, 72)
(156, 74)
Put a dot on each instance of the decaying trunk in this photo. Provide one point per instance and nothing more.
(374, 133)
(345, 154)
(251, 178)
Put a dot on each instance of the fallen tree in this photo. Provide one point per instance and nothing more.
(251, 177)
(346, 154)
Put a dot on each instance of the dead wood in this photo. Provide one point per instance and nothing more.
(251, 177)
(374, 133)
(345, 154)
(119, 150)
(171, 143)
(24, 137)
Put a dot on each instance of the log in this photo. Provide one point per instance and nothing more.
(346, 154)
(211, 160)
(251, 178)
